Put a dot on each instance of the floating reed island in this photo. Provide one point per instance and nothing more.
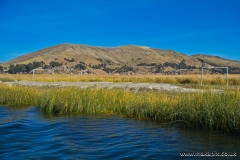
(211, 111)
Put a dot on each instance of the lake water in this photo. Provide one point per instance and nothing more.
(27, 134)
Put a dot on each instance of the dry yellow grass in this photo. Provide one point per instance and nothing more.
(234, 79)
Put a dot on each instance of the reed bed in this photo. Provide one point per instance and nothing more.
(234, 79)
(209, 110)
(18, 95)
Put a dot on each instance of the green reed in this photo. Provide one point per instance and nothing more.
(18, 95)
(209, 110)
(214, 111)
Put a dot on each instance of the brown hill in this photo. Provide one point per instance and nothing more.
(216, 60)
(118, 55)
(142, 58)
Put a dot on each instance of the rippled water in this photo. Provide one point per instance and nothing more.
(26, 134)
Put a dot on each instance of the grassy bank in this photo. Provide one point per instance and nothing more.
(172, 79)
(211, 111)
(18, 95)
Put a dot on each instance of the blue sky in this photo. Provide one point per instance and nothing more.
(187, 26)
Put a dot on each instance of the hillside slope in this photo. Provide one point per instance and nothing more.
(139, 58)
(118, 55)
(216, 60)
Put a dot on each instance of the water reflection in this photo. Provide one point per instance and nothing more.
(26, 133)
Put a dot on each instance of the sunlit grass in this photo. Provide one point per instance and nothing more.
(18, 95)
(172, 79)
(209, 110)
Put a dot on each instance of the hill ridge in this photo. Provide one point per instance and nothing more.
(139, 58)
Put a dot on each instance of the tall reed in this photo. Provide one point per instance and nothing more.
(18, 95)
(213, 111)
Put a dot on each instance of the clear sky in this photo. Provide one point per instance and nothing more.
(187, 26)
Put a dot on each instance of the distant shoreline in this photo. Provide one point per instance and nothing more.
(108, 85)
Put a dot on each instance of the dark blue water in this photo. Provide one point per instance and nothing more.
(27, 134)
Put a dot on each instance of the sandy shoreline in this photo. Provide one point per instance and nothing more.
(109, 85)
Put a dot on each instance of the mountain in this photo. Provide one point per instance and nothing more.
(138, 58)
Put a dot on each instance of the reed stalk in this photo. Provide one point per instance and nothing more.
(214, 111)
